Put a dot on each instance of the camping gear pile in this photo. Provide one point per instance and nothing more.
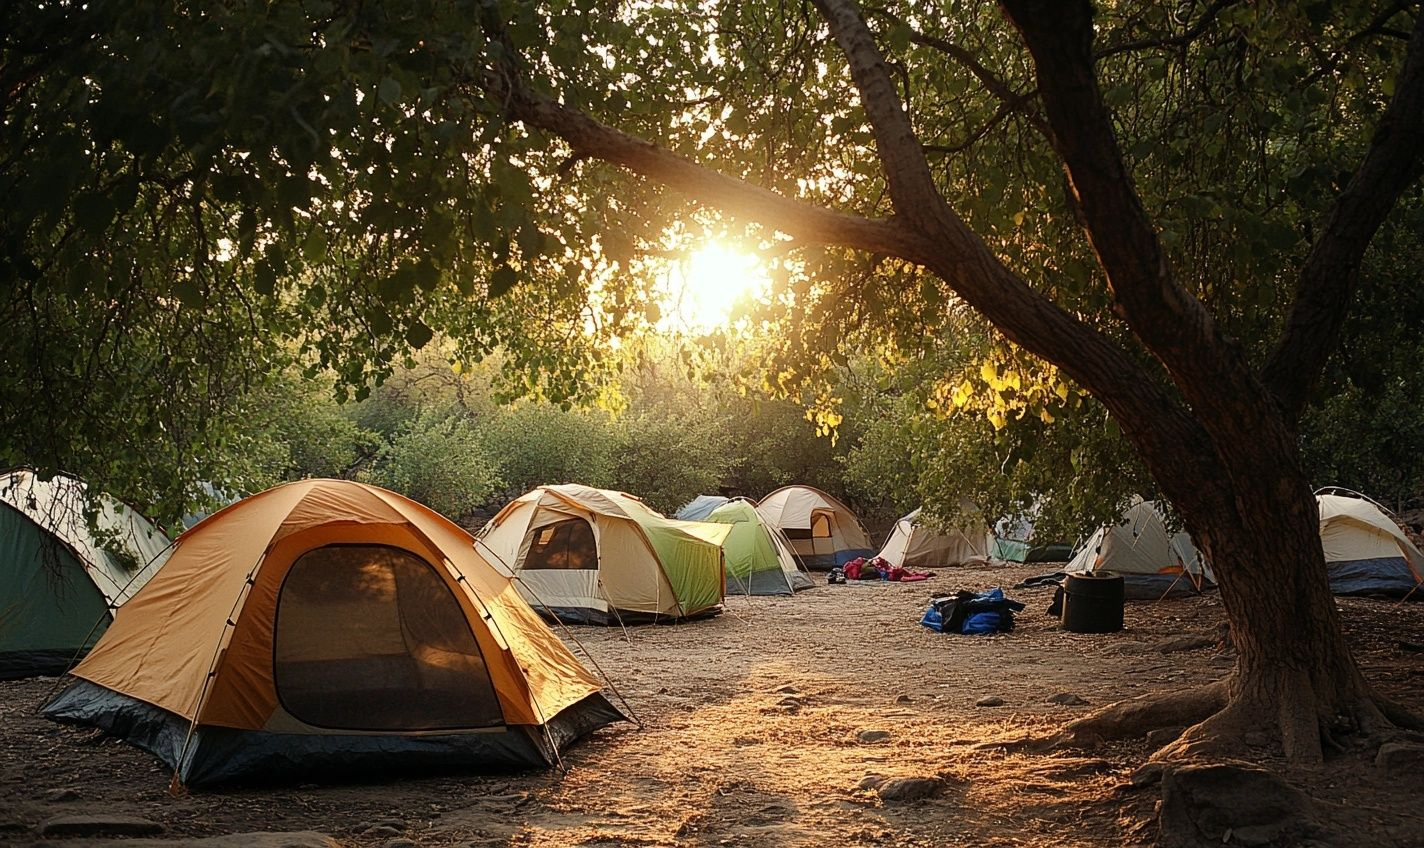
(876, 568)
(972, 613)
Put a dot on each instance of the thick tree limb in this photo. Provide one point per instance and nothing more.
(924, 231)
(1331, 273)
(1210, 369)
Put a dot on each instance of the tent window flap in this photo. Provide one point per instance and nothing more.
(567, 544)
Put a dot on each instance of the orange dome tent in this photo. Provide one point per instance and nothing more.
(328, 625)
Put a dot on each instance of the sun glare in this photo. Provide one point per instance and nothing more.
(702, 289)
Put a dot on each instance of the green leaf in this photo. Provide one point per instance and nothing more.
(389, 91)
(93, 212)
(264, 278)
(314, 245)
(502, 280)
(418, 335)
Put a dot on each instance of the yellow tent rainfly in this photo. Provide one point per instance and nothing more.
(327, 626)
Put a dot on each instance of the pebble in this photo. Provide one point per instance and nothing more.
(909, 788)
(867, 737)
(1067, 699)
(61, 795)
(989, 701)
(904, 699)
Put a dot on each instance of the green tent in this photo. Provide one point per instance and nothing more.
(759, 562)
(65, 564)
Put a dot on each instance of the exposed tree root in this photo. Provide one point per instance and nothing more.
(1138, 716)
(1398, 715)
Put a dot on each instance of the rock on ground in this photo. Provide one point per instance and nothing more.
(1235, 804)
(901, 789)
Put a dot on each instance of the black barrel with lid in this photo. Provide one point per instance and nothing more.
(1092, 602)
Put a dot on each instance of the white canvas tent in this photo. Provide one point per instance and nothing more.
(1151, 561)
(1365, 552)
(914, 545)
(823, 531)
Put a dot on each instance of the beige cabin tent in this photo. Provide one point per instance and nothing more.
(594, 556)
(914, 545)
(823, 532)
(330, 627)
(1151, 561)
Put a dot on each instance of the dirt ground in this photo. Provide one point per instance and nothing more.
(751, 735)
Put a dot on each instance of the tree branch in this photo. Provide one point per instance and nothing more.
(1186, 37)
(1173, 324)
(924, 231)
(992, 83)
(1331, 273)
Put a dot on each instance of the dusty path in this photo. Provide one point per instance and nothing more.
(754, 733)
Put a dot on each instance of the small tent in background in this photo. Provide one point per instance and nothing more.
(594, 556)
(1151, 562)
(700, 507)
(329, 627)
(1014, 541)
(61, 573)
(1365, 551)
(913, 545)
(759, 562)
(823, 532)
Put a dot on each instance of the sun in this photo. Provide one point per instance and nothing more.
(701, 290)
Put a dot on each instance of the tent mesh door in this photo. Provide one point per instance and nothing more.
(369, 637)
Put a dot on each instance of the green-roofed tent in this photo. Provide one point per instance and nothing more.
(65, 565)
(595, 556)
(759, 561)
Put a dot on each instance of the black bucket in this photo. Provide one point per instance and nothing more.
(1092, 602)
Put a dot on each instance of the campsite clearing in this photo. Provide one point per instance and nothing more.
(785, 722)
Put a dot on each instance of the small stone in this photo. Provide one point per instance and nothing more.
(380, 830)
(1163, 735)
(904, 699)
(789, 702)
(58, 796)
(871, 781)
(909, 788)
(1403, 757)
(788, 689)
(1067, 699)
(868, 737)
(97, 825)
(989, 701)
